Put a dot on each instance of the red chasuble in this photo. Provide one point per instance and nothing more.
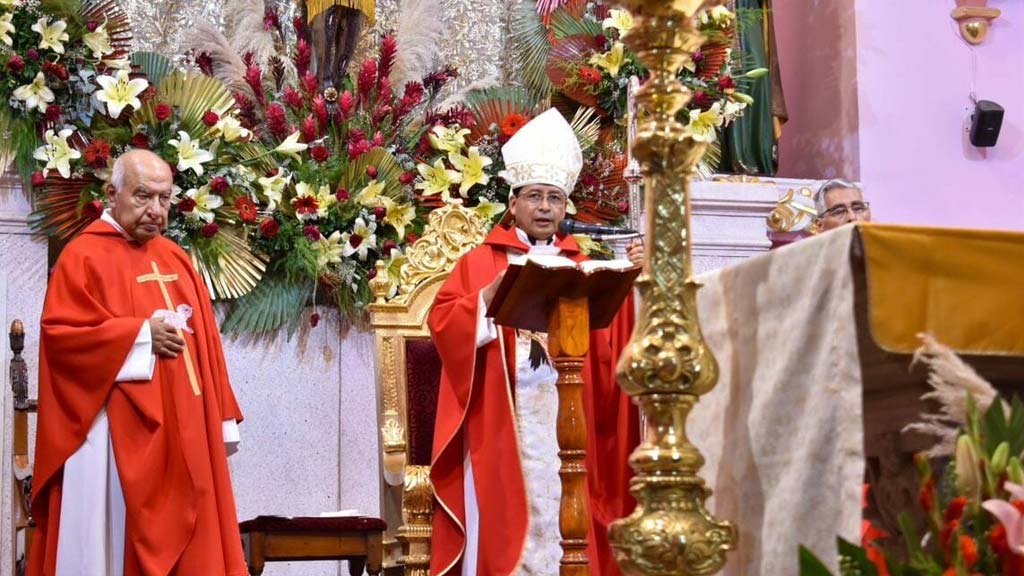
(167, 440)
(476, 398)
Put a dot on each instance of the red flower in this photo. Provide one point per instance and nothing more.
(367, 78)
(955, 509)
(701, 99)
(210, 230)
(946, 535)
(371, 171)
(210, 118)
(32, 54)
(319, 153)
(407, 178)
(270, 20)
(358, 148)
(97, 153)
(277, 123)
(386, 56)
(246, 209)
(380, 212)
(15, 63)
(38, 179)
(342, 194)
(726, 83)
(346, 103)
(371, 274)
(92, 25)
(512, 123)
(269, 228)
(320, 109)
(622, 206)
(254, 78)
(186, 205)
(388, 246)
(968, 551)
(303, 56)
(411, 238)
(312, 233)
(163, 111)
(140, 140)
(299, 24)
(308, 129)
(314, 319)
(292, 97)
(219, 185)
(306, 205)
(878, 559)
(53, 113)
(588, 180)
(148, 94)
(310, 85)
(590, 75)
(92, 210)
(205, 63)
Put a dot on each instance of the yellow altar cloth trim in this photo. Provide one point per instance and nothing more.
(965, 287)
(316, 7)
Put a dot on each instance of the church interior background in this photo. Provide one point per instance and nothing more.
(875, 92)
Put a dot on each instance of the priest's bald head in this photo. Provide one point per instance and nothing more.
(542, 161)
(139, 194)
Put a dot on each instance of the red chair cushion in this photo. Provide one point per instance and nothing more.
(423, 375)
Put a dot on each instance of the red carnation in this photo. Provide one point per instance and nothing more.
(319, 153)
(512, 123)
(269, 228)
(371, 171)
(140, 140)
(358, 148)
(38, 179)
(219, 184)
(53, 113)
(186, 205)
(97, 153)
(162, 111)
(92, 210)
(407, 178)
(210, 118)
(701, 99)
(314, 319)
(726, 83)
(388, 246)
(312, 233)
(411, 238)
(380, 212)
(210, 230)
(246, 209)
(292, 97)
(92, 25)
(15, 63)
(590, 75)
(342, 194)
(32, 54)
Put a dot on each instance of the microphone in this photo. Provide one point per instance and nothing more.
(569, 226)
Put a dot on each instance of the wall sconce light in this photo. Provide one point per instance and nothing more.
(974, 18)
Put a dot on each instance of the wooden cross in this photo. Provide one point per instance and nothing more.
(161, 280)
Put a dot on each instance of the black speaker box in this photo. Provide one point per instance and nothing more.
(985, 123)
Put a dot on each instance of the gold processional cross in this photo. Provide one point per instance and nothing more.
(160, 279)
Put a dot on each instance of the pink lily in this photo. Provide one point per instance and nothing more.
(1011, 515)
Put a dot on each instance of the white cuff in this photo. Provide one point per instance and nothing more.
(232, 438)
(486, 331)
(140, 361)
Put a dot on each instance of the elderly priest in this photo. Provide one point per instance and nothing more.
(131, 473)
(495, 459)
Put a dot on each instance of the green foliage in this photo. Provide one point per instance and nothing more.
(155, 66)
(811, 565)
(273, 304)
(530, 47)
(564, 24)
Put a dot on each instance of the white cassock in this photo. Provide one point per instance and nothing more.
(536, 421)
(91, 534)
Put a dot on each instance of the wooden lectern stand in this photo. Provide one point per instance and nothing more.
(567, 303)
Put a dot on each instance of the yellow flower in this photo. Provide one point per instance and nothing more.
(35, 95)
(6, 28)
(231, 129)
(472, 168)
(52, 36)
(119, 92)
(488, 210)
(398, 215)
(437, 179)
(720, 16)
(291, 147)
(273, 187)
(206, 203)
(9, 3)
(57, 152)
(611, 60)
(98, 41)
(621, 20)
(703, 125)
(190, 156)
(448, 139)
(329, 249)
(370, 194)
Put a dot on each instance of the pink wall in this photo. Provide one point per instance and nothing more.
(817, 44)
(913, 81)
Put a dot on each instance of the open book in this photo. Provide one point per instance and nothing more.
(533, 284)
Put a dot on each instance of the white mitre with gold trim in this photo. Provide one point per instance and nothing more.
(543, 151)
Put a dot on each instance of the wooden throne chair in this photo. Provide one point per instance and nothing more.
(21, 464)
(408, 375)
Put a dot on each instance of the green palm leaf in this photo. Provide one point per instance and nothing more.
(354, 178)
(191, 94)
(155, 66)
(564, 24)
(586, 124)
(490, 106)
(274, 303)
(58, 207)
(530, 47)
(227, 266)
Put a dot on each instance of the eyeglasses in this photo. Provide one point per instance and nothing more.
(843, 210)
(534, 199)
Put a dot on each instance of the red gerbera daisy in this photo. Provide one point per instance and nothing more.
(246, 209)
(512, 123)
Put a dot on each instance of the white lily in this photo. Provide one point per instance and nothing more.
(35, 95)
(370, 194)
(98, 41)
(329, 249)
(206, 203)
(703, 125)
(620, 20)
(118, 92)
(230, 129)
(273, 188)
(57, 152)
(52, 36)
(488, 210)
(398, 215)
(360, 240)
(6, 29)
(311, 203)
(291, 147)
(118, 64)
(189, 154)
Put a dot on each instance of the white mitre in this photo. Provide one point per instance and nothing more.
(543, 151)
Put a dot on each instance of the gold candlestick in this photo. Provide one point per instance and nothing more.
(667, 365)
